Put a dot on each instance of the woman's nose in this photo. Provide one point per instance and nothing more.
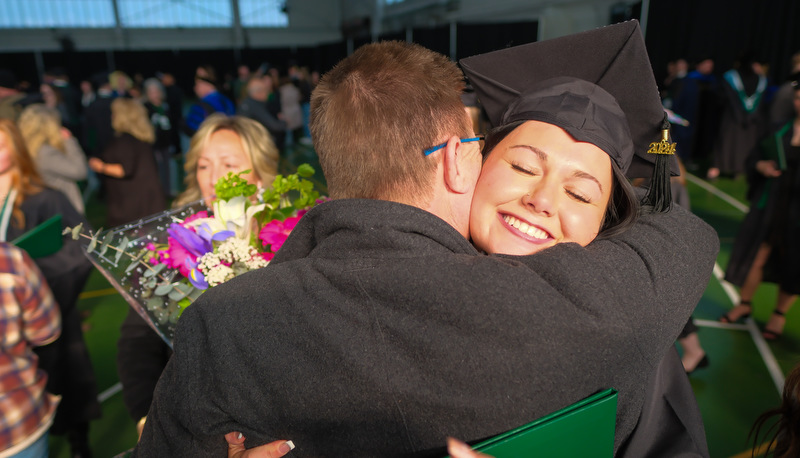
(214, 176)
(541, 198)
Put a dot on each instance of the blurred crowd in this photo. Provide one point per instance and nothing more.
(134, 144)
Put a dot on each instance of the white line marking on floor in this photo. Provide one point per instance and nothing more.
(766, 353)
(721, 325)
(717, 192)
(116, 388)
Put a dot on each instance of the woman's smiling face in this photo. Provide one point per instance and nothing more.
(537, 188)
(222, 154)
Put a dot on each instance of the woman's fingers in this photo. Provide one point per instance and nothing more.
(272, 450)
(458, 449)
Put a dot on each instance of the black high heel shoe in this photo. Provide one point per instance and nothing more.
(700, 365)
(727, 319)
(774, 335)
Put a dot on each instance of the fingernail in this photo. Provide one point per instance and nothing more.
(239, 436)
(286, 447)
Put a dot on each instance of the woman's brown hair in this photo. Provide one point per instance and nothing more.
(24, 176)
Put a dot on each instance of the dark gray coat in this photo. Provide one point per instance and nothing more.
(378, 330)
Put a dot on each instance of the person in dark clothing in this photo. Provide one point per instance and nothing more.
(370, 304)
(223, 144)
(254, 106)
(210, 100)
(160, 114)
(767, 248)
(743, 117)
(131, 177)
(97, 130)
(175, 101)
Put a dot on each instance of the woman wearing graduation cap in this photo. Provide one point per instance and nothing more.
(554, 173)
(573, 116)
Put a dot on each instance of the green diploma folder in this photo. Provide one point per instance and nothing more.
(583, 429)
(772, 147)
(43, 240)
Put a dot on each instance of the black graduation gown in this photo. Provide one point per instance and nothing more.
(738, 130)
(772, 200)
(378, 330)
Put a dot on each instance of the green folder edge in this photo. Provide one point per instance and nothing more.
(772, 147)
(43, 240)
(585, 428)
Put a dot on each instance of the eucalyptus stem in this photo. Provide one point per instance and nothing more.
(130, 256)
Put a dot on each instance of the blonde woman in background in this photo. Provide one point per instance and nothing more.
(225, 144)
(221, 144)
(133, 189)
(58, 156)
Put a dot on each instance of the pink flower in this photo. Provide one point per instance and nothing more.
(198, 215)
(176, 256)
(267, 255)
(276, 232)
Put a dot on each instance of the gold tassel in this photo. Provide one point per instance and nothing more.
(659, 196)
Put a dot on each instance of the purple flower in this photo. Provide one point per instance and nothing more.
(192, 242)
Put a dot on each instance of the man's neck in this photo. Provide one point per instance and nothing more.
(442, 206)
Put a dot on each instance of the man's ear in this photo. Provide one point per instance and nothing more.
(458, 170)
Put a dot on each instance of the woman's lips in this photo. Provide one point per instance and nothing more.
(524, 229)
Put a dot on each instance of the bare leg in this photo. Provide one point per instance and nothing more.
(777, 320)
(750, 286)
(693, 352)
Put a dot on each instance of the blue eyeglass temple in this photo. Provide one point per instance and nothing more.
(433, 149)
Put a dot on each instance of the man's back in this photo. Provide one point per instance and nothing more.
(378, 331)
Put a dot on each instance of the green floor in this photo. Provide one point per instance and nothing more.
(731, 392)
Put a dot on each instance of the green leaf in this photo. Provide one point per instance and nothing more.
(195, 294)
(133, 263)
(154, 270)
(67, 230)
(180, 291)
(305, 170)
(163, 289)
(154, 303)
(106, 240)
(121, 249)
(76, 231)
(233, 185)
(151, 283)
(92, 243)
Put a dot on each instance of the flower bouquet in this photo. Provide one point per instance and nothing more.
(163, 263)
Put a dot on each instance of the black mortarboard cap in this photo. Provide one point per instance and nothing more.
(541, 81)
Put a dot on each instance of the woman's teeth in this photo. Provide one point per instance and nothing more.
(525, 228)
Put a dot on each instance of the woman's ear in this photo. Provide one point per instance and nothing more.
(462, 165)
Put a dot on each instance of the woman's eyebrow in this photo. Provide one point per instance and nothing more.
(542, 155)
(588, 176)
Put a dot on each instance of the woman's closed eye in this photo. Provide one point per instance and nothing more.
(532, 171)
(579, 196)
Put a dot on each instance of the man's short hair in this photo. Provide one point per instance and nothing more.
(376, 111)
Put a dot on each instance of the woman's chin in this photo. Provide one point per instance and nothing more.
(511, 249)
